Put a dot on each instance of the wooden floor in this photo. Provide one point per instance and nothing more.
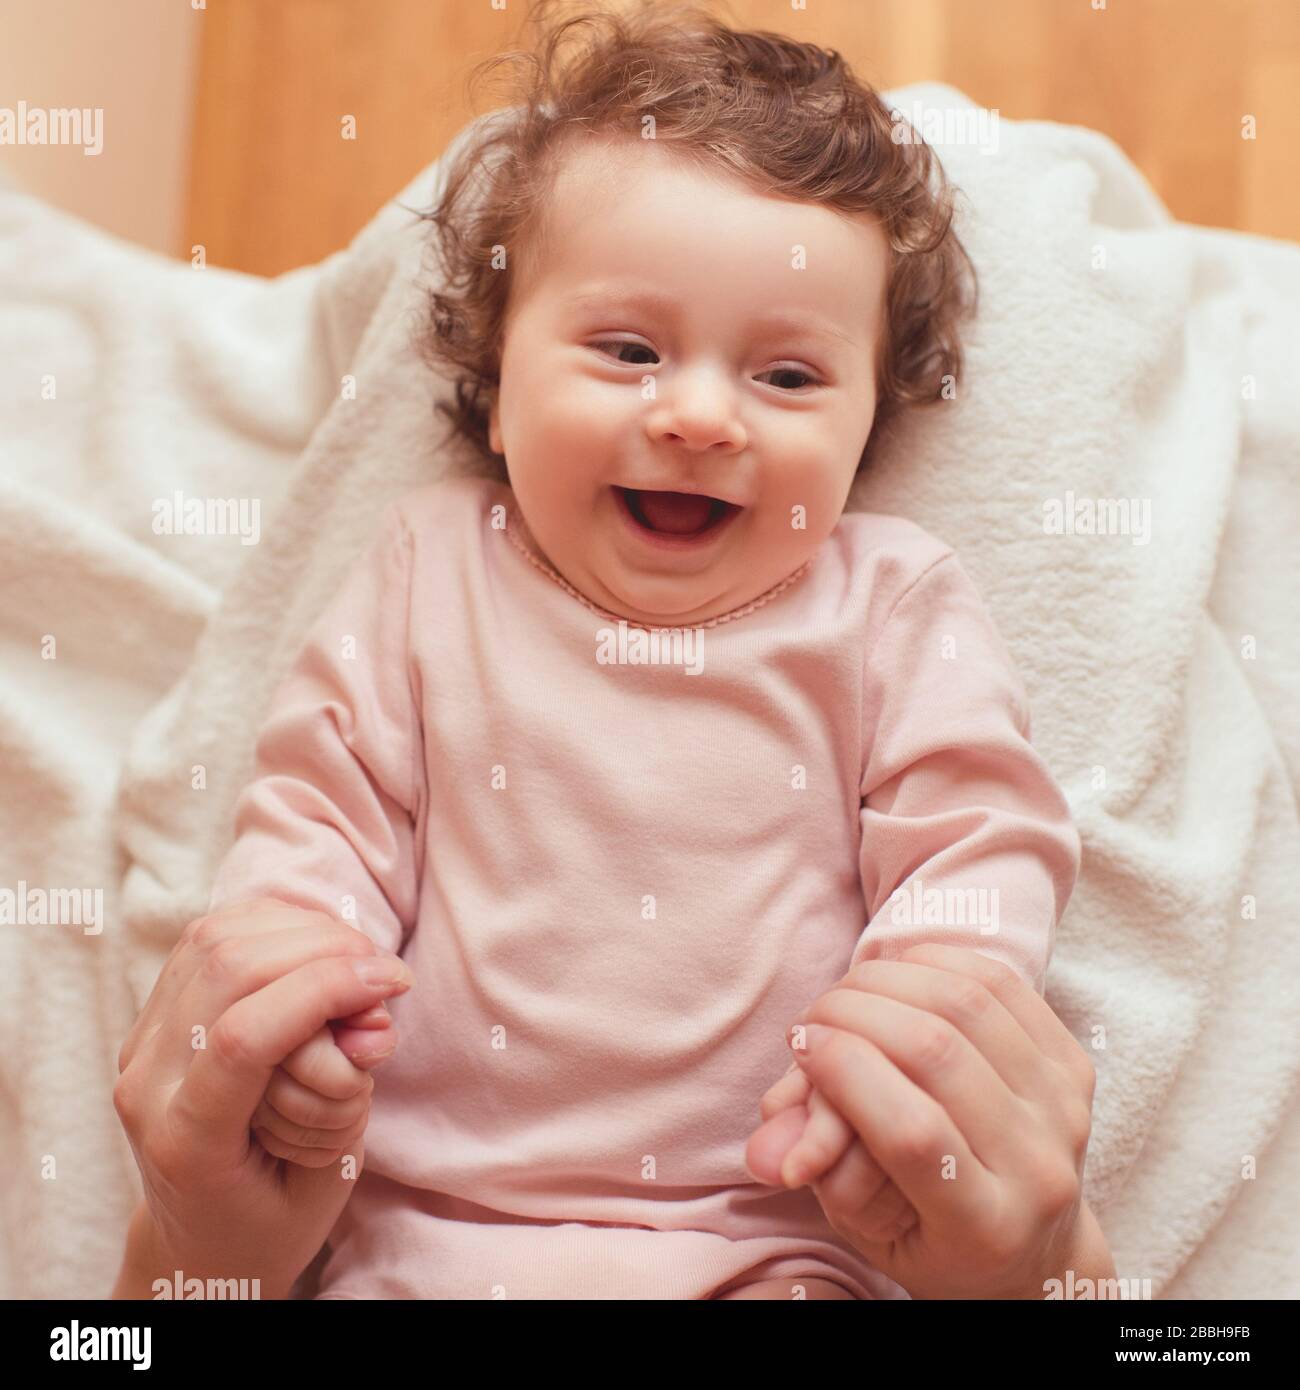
(274, 183)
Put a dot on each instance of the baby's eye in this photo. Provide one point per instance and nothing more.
(806, 378)
(619, 347)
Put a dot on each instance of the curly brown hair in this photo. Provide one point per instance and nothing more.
(788, 118)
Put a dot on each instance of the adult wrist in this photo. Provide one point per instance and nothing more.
(1092, 1258)
(147, 1261)
(141, 1259)
(1087, 1257)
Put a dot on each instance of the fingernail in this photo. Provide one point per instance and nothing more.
(382, 970)
(792, 1174)
(806, 1036)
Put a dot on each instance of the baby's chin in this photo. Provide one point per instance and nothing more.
(656, 606)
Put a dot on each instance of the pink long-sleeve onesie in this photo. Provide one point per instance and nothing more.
(618, 882)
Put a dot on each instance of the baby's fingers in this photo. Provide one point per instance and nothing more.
(770, 1143)
(223, 1085)
(288, 1103)
(365, 1044)
(826, 1138)
(326, 1147)
(378, 1017)
(320, 1066)
(292, 1119)
(794, 1088)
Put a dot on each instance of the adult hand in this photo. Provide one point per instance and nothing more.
(245, 991)
(969, 1096)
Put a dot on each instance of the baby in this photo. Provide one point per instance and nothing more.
(633, 748)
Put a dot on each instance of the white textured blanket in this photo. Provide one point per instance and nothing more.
(1127, 374)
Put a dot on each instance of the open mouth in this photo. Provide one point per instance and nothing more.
(676, 516)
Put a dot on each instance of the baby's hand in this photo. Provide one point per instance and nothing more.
(312, 1094)
(819, 1144)
(803, 1137)
(972, 1096)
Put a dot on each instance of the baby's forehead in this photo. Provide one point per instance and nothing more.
(660, 215)
(647, 186)
(591, 168)
(618, 162)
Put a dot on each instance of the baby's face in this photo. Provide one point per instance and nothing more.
(667, 343)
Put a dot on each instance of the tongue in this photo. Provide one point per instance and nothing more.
(679, 513)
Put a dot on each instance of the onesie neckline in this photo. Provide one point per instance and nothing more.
(517, 529)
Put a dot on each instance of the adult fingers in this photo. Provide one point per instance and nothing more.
(205, 937)
(981, 997)
(873, 1208)
(241, 965)
(906, 1130)
(257, 916)
(939, 1059)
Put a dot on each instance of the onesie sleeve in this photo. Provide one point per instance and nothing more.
(967, 840)
(329, 820)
